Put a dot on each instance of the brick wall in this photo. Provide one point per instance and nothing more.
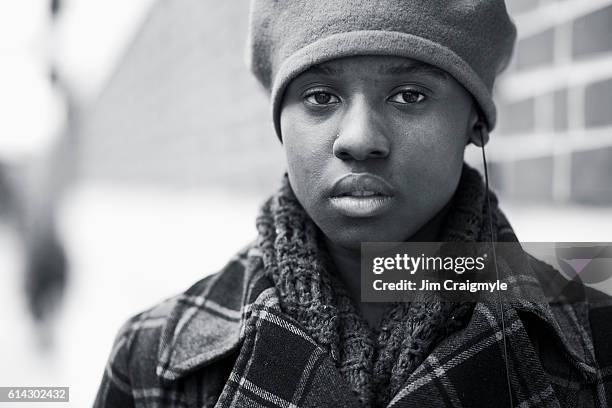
(554, 140)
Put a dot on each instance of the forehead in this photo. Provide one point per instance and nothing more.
(379, 65)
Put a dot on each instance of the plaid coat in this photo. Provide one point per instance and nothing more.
(226, 343)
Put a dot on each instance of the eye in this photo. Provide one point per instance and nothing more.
(321, 98)
(408, 97)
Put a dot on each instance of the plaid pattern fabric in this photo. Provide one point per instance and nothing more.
(226, 343)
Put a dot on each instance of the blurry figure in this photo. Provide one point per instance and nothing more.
(30, 187)
(46, 263)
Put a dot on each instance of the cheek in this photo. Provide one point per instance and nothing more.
(432, 152)
(306, 152)
(432, 144)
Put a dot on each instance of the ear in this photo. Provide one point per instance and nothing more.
(477, 132)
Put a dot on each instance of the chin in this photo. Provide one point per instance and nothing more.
(350, 235)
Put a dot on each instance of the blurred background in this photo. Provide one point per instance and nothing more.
(135, 149)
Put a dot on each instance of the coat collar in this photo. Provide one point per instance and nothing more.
(208, 320)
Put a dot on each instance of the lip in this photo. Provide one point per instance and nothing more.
(361, 195)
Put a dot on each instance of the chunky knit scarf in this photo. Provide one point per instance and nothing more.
(375, 363)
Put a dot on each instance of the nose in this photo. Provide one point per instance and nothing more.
(361, 134)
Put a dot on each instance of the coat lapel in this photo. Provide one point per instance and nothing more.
(279, 365)
(205, 324)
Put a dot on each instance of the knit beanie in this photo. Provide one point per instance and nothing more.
(472, 40)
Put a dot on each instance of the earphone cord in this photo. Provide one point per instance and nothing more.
(499, 301)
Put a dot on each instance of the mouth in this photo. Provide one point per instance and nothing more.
(361, 195)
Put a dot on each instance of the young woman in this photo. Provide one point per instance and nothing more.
(374, 103)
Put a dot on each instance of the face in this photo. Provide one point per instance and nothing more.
(374, 145)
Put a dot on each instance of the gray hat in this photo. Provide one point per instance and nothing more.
(470, 39)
